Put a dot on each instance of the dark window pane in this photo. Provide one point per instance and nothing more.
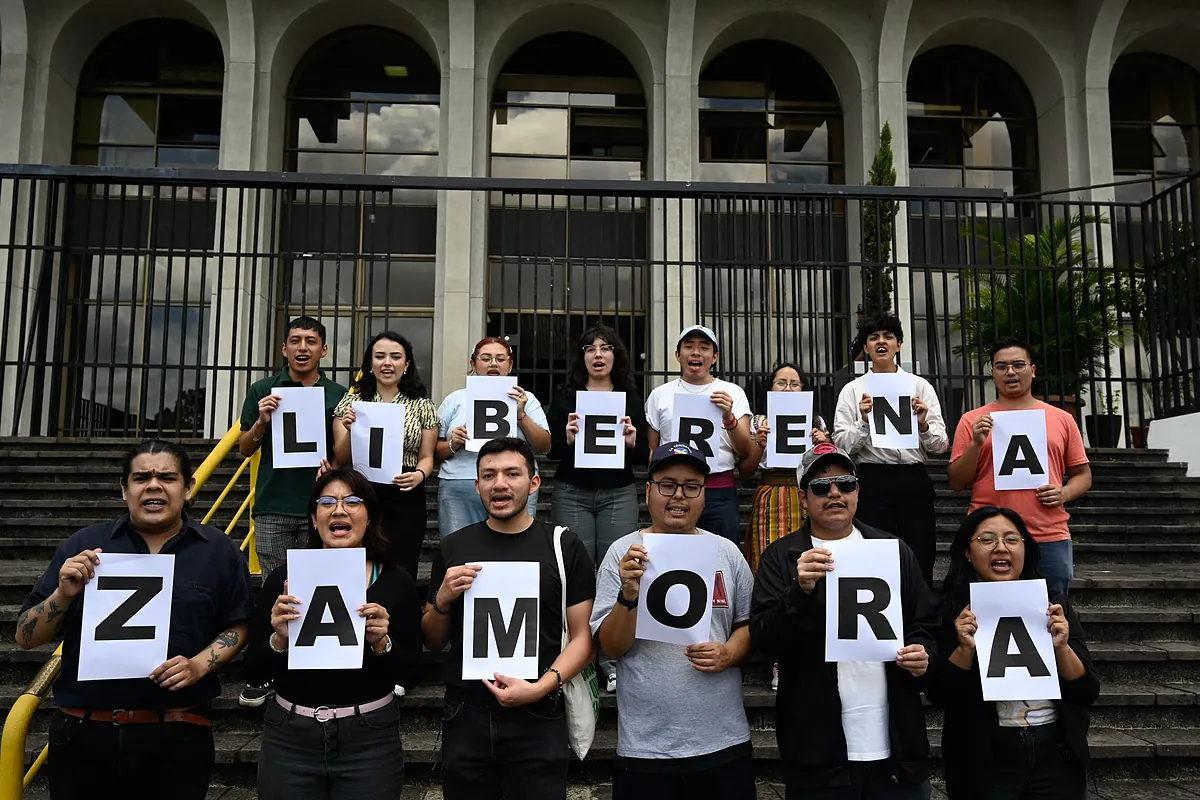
(189, 157)
(935, 142)
(516, 284)
(1133, 148)
(786, 74)
(731, 136)
(400, 283)
(598, 134)
(607, 288)
(190, 120)
(606, 234)
(374, 62)
(156, 53)
(399, 229)
(516, 232)
(313, 283)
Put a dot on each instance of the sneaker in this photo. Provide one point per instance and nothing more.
(398, 691)
(775, 677)
(611, 685)
(254, 696)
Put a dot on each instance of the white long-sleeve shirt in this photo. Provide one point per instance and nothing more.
(852, 433)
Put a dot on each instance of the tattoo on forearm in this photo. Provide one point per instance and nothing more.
(228, 639)
(55, 612)
(27, 623)
(214, 660)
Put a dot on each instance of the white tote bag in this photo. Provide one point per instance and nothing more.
(581, 693)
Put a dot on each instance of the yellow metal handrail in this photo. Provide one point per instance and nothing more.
(13, 778)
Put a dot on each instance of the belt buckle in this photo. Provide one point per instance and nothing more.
(114, 716)
(321, 711)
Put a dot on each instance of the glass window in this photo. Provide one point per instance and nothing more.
(971, 123)
(1153, 101)
(764, 103)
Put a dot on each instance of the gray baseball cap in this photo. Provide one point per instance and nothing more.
(820, 455)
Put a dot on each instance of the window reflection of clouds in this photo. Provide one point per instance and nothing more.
(127, 120)
(530, 131)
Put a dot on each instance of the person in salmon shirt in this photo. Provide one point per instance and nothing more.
(1042, 509)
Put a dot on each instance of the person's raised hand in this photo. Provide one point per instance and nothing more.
(812, 566)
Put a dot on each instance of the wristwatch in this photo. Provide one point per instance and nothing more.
(630, 604)
(387, 648)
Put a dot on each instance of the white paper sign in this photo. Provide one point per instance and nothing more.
(696, 419)
(600, 443)
(126, 616)
(377, 440)
(892, 420)
(330, 584)
(790, 415)
(491, 413)
(675, 604)
(1013, 642)
(500, 621)
(1020, 457)
(864, 617)
(298, 427)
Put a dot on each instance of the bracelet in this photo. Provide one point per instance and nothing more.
(558, 675)
(387, 637)
(450, 444)
(438, 609)
(424, 477)
(271, 643)
(729, 427)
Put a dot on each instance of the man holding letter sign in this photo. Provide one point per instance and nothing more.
(507, 736)
(988, 646)
(697, 352)
(682, 731)
(896, 493)
(972, 462)
(149, 736)
(849, 729)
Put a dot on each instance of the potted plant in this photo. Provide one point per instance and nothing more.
(1049, 289)
(1104, 427)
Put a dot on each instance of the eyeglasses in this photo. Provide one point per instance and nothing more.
(490, 359)
(669, 488)
(846, 484)
(989, 540)
(782, 384)
(591, 349)
(1003, 366)
(350, 502)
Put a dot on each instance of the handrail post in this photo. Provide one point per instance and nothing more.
(16, 729)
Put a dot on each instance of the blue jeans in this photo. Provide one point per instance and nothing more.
(720, 515)
(1058, 565)
(459, 505)
(598, 517)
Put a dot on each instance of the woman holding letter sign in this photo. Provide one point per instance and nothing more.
(149, 736)
(1042, 743)
(458, 502)
(335, 733)
(389, 375)
(598, 505)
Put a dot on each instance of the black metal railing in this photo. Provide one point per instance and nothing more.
(143, 301)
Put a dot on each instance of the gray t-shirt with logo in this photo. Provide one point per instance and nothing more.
(668, 708)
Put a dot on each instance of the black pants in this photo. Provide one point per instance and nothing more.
(720, 514)
(504, 753)
(353, 758)
(1037, 766)
(898, 498)
(142, 761)
(404, 521)
(731, 781)
(869, 780)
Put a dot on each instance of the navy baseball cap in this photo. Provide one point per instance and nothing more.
(820, 455)
(677, 451)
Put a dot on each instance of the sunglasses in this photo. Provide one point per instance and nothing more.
(846, 484)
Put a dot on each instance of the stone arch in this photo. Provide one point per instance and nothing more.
(1163, 27)
(14, 27)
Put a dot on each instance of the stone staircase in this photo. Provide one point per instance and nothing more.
(1137, 587)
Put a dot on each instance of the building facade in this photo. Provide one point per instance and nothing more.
(1018, 97)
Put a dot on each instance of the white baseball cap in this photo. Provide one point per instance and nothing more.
(700, 329)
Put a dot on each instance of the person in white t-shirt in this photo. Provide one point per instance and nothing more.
(846, 731)
(697, 353)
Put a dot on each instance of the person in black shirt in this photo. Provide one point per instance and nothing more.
(1042, 743)
(335, 733)
(146, 737)
(598, 505)
(507, 738)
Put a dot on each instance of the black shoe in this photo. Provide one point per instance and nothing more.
(254, 696)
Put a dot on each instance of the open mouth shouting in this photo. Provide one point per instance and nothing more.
(678, 511)
(154, 504)
(1001, 566)
(500, 501)
(598, 365)
(339, 529)
(301, 359)
(881, 350)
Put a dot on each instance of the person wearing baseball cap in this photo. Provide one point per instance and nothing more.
(882, 751)
(697, 351)
(665, 689)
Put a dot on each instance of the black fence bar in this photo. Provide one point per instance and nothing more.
(142, 301)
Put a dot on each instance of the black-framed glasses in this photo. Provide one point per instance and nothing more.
(989, 541)
(846, 484)
(669, 488)
(350, 502)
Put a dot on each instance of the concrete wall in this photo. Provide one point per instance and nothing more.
(1063, 49)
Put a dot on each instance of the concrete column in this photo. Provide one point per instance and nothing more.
(460, 294)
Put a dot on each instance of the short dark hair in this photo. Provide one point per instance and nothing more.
(1007, 342)
(880, 322)
(508, 444)
(306, 324)
(374, 540)
(152, 447)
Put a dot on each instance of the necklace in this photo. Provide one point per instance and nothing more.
(687, 387)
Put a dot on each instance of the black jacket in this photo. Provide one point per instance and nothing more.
(970, 721)
(789, 625)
